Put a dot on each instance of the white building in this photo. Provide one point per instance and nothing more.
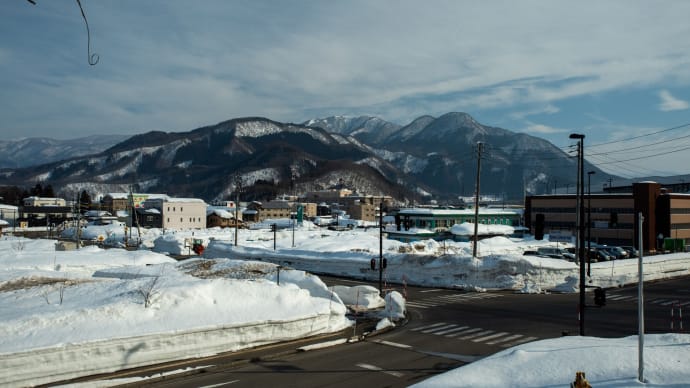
(179, 213)
(44, 201)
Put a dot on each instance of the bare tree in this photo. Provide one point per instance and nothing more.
(149, 291)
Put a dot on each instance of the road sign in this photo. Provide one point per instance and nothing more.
(560, 236)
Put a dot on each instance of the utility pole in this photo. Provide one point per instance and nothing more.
(640, 302)
(580, 226)
(381, 249)
(238, 188)
(480, 148)
(589, 222)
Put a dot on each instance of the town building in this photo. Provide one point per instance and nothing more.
(172, 213)
(424, 223)
(611, 218)
(43, 211)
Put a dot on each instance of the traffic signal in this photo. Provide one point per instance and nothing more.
(539, 227)
(373, 264)
(385, 263)
(600, 296)
(273, 227)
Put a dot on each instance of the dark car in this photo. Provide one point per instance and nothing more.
(617, 252)
(632, 252)
(597, 255)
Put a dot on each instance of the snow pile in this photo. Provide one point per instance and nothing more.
(58, 305)
(607, 362)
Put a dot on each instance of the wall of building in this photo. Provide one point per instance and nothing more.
(184, 214)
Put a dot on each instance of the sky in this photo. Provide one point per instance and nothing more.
(100, 293)
(611, 70)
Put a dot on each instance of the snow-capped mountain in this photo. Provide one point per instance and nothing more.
(368, 154)
(39, 150)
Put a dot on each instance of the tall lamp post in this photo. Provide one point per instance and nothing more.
(238, 188)
(589, 222)
(580, 226)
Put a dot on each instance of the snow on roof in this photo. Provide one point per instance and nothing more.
(195, 200)
(467, 229)
(452, 212)
(126, 195)
(4, 223)
(220, 213)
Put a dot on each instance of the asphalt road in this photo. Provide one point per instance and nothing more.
(446, 329)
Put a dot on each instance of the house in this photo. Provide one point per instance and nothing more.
(222, 217)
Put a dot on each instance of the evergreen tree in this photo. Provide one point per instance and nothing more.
(48, 192)
(85, 200)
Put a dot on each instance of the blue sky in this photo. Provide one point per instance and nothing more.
(612, 70)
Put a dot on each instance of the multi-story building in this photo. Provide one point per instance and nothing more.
(175, 213)
(361, 207)
(42, 211)
(612, 218)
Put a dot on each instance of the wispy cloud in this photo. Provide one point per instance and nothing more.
(669, 103)
(543, 129)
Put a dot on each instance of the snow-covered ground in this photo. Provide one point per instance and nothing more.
(124, 306)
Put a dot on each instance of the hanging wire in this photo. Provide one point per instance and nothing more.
(92, 58)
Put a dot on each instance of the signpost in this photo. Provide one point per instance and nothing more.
(560, 236)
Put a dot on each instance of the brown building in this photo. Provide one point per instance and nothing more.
(613, 216)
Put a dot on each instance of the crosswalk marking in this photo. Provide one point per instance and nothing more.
(444, 332)
(474, 335)
(433, 329)
(441, 300)
(505, 339)
(518, 342)
(463, 332)
(488, 337)
(659, 301)
(428, 326)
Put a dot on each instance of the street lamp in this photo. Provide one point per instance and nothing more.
(580, 227)
(589, 221)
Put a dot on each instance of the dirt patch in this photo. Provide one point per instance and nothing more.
(35, 281)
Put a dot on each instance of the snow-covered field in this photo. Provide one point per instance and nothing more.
(118, 308)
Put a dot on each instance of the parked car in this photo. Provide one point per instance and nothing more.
(617, 252)
(556, 253)
(597, 255)
(632, 252)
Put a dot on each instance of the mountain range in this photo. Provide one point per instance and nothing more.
(429, 158)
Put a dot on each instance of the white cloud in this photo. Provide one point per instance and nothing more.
(669, 103)
(542, 129)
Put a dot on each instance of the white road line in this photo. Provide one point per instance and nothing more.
(476, 334)
(518, 342)
(464, 332)
(433, 329)
(488, 337)
(428, 326)
(378, 369)
(419, 306)
(434, 290)
(506, 339)
(220, 385)
(444, 332)
(658, 301)
(394, 344)
(616, 297)
(668, 303)
(684, 303)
